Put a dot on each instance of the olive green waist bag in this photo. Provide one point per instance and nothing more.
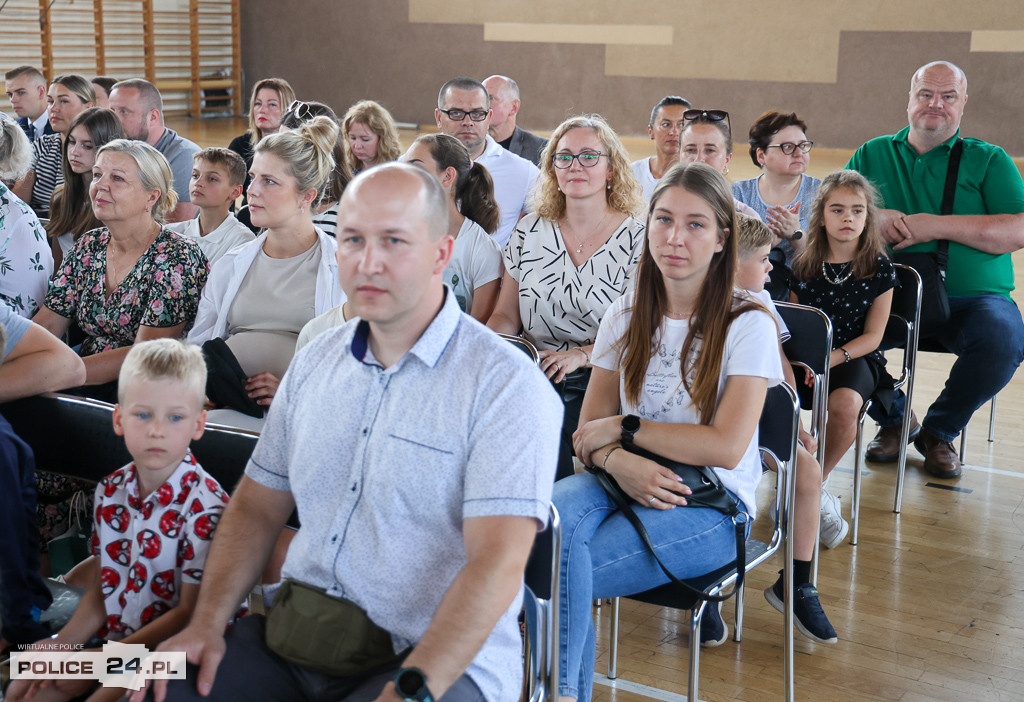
(329, 635)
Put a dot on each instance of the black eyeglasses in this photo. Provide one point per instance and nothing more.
(301, 110)
(710, 115)
(459, 115)
(788, 147)
(587, 159)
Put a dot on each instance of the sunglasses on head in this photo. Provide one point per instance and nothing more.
(711, 115)
(301, 110)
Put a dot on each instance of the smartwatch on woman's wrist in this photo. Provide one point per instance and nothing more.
(630, 426)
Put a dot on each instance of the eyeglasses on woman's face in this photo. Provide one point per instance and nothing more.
(788, 147)
(587, 159)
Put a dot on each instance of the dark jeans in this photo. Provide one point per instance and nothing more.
(21, 586)
(987, 335)
(251, 671)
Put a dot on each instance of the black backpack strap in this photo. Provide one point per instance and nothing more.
(948, 193)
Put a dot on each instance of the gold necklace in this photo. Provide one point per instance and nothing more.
(579, 244)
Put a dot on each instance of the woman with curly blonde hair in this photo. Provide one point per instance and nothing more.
(371, 136)
(572, 257)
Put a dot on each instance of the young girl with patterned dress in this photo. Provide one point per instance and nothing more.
(844, 272)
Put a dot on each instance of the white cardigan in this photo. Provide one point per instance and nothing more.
(226, 277)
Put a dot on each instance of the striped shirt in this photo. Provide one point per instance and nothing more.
(46, 162)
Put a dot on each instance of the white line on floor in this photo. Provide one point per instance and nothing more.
(638, 689)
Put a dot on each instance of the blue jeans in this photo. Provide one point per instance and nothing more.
(987, 335)
(602, 556)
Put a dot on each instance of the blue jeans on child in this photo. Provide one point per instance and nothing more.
(602, 556)
(987, 335)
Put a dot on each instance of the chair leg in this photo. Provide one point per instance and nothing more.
(613, 654)
(694, 672)
(858, 469)
(992, 420)
(737, 635)
(963, 444)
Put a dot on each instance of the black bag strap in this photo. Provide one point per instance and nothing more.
(625, 503)
(948, 193)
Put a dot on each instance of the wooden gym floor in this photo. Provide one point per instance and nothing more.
(928, 606)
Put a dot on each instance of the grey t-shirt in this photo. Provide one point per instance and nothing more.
(15, 327)
(178, 152)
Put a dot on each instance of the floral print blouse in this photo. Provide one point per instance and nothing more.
(162, 290)
(25, 259)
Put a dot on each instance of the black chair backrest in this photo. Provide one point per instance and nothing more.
(75, 436)
(539, 567)
(810, 338)
(906, 304)
(775, 430)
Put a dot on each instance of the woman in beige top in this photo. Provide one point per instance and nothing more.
(260, 295)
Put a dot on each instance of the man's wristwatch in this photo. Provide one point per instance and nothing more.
(411, 684)
(630, 426)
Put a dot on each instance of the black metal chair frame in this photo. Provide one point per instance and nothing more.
(540, 610)
(901, 331)
(523, 345)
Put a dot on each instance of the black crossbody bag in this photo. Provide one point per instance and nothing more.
(706, 491)
(931, 266)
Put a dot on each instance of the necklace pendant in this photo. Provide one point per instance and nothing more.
(579, 249)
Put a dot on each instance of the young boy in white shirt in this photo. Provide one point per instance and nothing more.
(217, 177)
(753, 243)
(154, 518)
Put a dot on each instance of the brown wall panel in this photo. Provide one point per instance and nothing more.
(341, 52)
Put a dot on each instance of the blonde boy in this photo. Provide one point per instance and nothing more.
(154, 518)
(753, 242)
(217, 177)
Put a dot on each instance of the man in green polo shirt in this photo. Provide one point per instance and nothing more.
(987, 225)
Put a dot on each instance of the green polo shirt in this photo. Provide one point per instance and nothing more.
(988, 183)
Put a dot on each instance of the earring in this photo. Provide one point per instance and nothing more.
(608, 185)
(559, 188)
(726, 171)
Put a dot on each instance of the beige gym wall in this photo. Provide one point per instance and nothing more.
(844, 67)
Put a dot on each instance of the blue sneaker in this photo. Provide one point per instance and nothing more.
(713, 630)
(808, 615)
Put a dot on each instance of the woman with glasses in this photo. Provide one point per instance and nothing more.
(782, 195)
(269, 99)
(707, 138)
(572, 257)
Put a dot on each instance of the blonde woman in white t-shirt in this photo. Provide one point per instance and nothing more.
(474, 272)
(679, 370)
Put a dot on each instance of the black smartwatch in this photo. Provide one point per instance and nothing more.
(630, 426)
(411, 684)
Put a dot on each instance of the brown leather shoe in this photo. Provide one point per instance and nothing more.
(940, 458)
(885, 447)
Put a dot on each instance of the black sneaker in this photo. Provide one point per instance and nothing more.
(713, 630)
(808, 615)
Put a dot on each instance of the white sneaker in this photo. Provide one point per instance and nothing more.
(832, 527)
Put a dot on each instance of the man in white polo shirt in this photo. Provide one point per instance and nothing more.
(464, 112)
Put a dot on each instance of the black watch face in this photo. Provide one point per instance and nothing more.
(630, 424)
(409, 683)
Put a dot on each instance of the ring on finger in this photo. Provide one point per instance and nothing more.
(651, 501)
